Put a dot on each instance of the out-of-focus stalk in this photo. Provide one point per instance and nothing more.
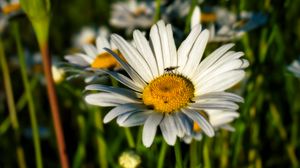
(32, 113)
(178, 155)
(101, 145)
(157, 10)
(162, 154)
(38, 12)
(11, 107)
(193, 154)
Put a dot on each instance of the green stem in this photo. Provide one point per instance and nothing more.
(11, 107)
(162, 154)
(80, 151)
(32, 113)
(101, 145)
(178, 155)
(193, 154)
(129, 138)
(188, 19)
(206, 154)
(157, 11)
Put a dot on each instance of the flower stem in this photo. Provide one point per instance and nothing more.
(32, 112)
(157, 11)
(11, 107)
(100, 140)
(162, 155)
(206, 154)
(129, 138)
(193, 154)
(54, 105)
(178, 155)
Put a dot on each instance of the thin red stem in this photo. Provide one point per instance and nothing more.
(54, 106)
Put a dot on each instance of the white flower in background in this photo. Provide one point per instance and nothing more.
(9, 6)
(217, 118)
(88, 35)
(167, 87)
(226, 26)
(58, 73)
(94, 57)
(8, 9)
(295, 68)
(132, 14)
(129, 159)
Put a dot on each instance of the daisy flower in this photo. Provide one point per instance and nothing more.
(168, 87)
(218, 119)
(132, 14)
(295, 68)
(226, 26)
(86, 36)
(94, 57)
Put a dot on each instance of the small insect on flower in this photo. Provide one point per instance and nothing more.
(157, 97)
(171, 69)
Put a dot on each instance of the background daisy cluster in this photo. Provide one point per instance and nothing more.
(266, 133)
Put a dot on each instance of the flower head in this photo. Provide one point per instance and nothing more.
(226, 26)
(94, 57)
(132, 14)
(129, 159)
(168, 87)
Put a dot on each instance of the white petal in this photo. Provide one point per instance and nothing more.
(196, 17)
(172, 46)
(150, 127)
(90, 50)
(214, 105)
(163, 35)
(121, 109)
(121, 91)
(221, 96)
(221, 82)
(123, 79)
(157, 47)
(144, 48)
(211, 58)
(136, 119)
(186, 46)
(107, 99)
(131, 72)
(77, 60)
(168, 129)
(133, 57)
(201, 121)
(229, 66)
(223, 118)
(196, 54)
(102, 42)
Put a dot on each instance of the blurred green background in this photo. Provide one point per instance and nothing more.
(267, 131)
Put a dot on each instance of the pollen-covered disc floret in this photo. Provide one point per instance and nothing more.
(168, 93)
(105, 61)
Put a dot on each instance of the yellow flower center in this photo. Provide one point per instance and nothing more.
(208, 17)
(11, 8)
(106, 61)
(168, 93)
